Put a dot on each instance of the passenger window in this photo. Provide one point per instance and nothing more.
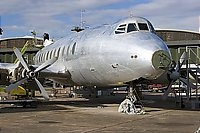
(58, 52)
(47, 57)
(73, 48)
(68, 49)
(40, 59)
(63, 51)
(37, 59)
(43, 58)
(54, 53)
(143, 26)
(131, 27)
(51, 54)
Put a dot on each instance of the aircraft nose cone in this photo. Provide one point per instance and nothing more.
(161, 60)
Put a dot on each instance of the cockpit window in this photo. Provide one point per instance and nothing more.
(131, 27)
(151, 27)
(121, 29)
(123, 25)
(143, 26)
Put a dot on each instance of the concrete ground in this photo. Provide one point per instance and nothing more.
(68, 115)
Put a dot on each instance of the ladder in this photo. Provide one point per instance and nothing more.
(192, 72)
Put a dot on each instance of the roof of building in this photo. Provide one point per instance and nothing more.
(23, 37)
(177, 30)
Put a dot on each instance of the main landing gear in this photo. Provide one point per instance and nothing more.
(131, 105)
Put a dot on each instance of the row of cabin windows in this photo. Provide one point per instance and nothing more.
(57, 53)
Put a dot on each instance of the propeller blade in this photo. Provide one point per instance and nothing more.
(191, 85)
(166, 93)
(46, 64)
(43, 91)
(181, 61)
(21, 59)
(15, 85)
(177, 67)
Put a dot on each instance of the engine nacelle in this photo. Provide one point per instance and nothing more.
(20, 72)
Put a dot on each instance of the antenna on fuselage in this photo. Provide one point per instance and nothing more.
(79, 28)
(82, 22)
(131, 14)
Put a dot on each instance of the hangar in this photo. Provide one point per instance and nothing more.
(7, 55)
(181, 40)
(6, 48)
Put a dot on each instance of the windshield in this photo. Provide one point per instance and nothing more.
(131, 27)
(134, 25)
(143, 26)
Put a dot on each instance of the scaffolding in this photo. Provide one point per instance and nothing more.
(191, 69)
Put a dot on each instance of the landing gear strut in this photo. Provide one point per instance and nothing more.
(130, 104)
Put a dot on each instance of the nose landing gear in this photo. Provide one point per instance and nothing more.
(131, 104)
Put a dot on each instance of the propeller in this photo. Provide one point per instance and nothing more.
(31, 74)
(15, 85)
(169, 88)
(174, 74)
(21, 59)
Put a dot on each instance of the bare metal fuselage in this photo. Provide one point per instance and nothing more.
(98, 57)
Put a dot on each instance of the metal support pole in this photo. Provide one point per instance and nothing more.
(5, 58)
(131, 89)
(180, 90)
(188, 87)
(196, 84)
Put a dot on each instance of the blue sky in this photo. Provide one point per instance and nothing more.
(57, 17)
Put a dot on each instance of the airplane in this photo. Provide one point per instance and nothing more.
(105, 56)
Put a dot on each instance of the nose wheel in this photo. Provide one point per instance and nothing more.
(130, 104)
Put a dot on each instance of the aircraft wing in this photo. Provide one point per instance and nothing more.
(48, 69)
(7, 67)
(58, 73)
(51, 72)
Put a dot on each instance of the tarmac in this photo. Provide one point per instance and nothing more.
(99, 115)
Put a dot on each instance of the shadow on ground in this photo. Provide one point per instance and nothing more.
(151, 100)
